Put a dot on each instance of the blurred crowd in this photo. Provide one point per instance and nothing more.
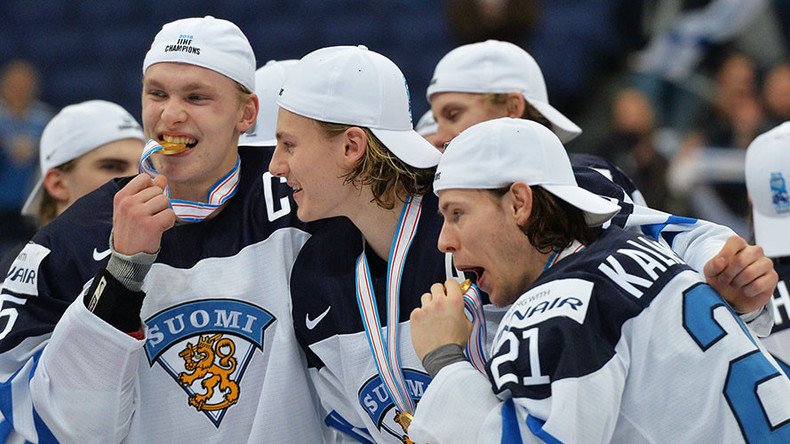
(671, 91)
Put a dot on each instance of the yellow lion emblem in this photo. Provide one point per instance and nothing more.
(199, 363)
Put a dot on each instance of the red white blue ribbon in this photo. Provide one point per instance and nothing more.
(188, 210)
(476, 345)
(385, 350)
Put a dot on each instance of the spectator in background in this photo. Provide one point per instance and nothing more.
(22, 119)
(668, 67)
(723, 132)
(633, 146)
(476, 20)
(776, 94)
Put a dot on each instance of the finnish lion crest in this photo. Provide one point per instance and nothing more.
(212, 361)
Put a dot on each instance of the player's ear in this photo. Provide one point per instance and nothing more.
(249, 112)
(516, 104)
(356, 143)
(56, 185)
(520, 202)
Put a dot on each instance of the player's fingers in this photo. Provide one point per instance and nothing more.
(148, 194)
(164, 219)
(714, 266)
(140, 182)
(425, 299)
(160, 181)
(722, 260)
(743, 260)
(733, 245)
(758, 293)
(438, 290)
(452, 287)
(753, 271)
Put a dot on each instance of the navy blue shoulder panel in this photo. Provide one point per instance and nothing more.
(324, 275)
(569, 348)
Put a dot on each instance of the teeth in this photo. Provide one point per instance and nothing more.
(179, 139)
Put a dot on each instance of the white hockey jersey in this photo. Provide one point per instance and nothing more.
(620, 342)
(355, 405)
(219, 363)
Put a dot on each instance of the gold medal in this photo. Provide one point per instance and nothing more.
(169, 148)
(465, 285)
(404, 419)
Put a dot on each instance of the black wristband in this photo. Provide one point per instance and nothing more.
(110, 300)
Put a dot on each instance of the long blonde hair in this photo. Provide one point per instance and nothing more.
(390, 179)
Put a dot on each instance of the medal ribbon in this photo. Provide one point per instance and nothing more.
(188, 210)
(385, 351)
(475, 348)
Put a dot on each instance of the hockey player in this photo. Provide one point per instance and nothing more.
(82, 147)
(610, 337)
(345, 146)
(486, 80)
(767, 170)
(154, 309)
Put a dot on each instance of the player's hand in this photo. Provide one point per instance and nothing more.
(742, 274)
(141, 213)
(440, 320)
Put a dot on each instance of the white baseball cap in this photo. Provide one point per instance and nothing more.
(426, 125)
(767, 171)
(352, 85)
(499, 67)
(496, 153)
(211, 43)
(76, 130)
(269, 79)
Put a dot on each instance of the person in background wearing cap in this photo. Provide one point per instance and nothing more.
(269, 79)
(76, 158)
(610, 337)
(346, 147)
(426, 127)
(156, 308)
(482, 81)
(767, 171)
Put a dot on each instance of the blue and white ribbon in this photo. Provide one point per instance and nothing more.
(385, 351)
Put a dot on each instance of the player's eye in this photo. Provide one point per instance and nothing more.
(156, 93)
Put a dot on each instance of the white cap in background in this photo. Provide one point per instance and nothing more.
(352, 85)
(268, 80)
(500, 152)
(78, 129)
(767, 171)
(499, 67)
(426, 125)
(212, 43)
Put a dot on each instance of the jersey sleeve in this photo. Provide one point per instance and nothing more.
(40, 286)
(68, 373)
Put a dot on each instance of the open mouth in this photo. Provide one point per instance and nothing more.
(176, 144)
(477, 271)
